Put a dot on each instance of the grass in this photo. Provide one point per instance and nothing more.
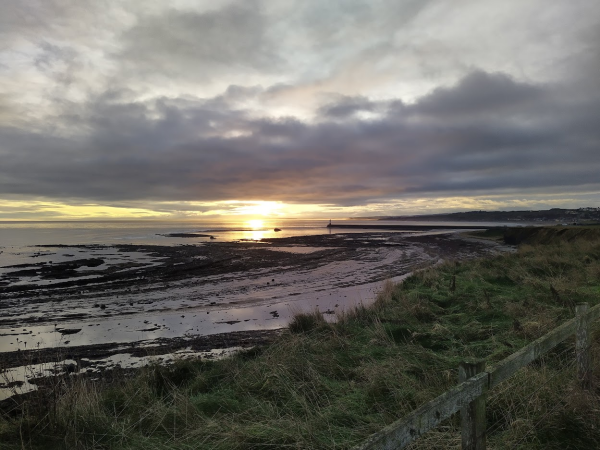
(329, 385)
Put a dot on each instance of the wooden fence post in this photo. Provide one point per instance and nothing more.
(472, 415)
(582, 345)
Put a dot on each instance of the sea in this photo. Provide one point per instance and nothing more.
(19, 239)
(25, 242)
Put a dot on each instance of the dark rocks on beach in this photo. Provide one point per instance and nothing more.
(13, 384)
(56, 271)
(277, 229)
(70, 368)
(68, 330)
(154, 328)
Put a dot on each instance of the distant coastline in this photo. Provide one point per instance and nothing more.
(410, 227)
(586, 215)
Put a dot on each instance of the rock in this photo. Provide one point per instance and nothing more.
(68, 330)
(70, 368)
(154, 328)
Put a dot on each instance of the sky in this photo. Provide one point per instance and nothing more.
(206, 109)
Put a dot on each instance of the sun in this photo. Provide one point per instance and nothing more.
(256, 224)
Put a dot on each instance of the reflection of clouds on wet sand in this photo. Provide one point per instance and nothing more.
(201, 320)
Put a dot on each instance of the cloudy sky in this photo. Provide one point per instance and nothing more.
(200, 108)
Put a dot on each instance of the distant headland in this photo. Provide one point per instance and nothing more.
(587, 215)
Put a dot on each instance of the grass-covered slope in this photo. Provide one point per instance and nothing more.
(549, 235)
(328, 386)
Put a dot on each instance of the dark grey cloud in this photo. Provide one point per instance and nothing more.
(479, 93)
(203, 150)
(347, 106)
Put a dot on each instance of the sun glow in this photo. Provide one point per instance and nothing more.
(256, 224)
(261, 215)
(257, 208)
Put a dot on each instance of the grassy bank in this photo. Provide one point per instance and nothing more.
(549, 235)
(326, 386)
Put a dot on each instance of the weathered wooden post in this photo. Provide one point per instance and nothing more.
(472, 416)
(582, 345)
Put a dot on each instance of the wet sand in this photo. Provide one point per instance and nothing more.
(93, 301)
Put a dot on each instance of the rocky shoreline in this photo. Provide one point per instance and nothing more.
(207, 296)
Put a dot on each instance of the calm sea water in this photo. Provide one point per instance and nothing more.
(147, 232)
(18, 239)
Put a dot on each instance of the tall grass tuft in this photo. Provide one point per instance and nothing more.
(305, 322)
